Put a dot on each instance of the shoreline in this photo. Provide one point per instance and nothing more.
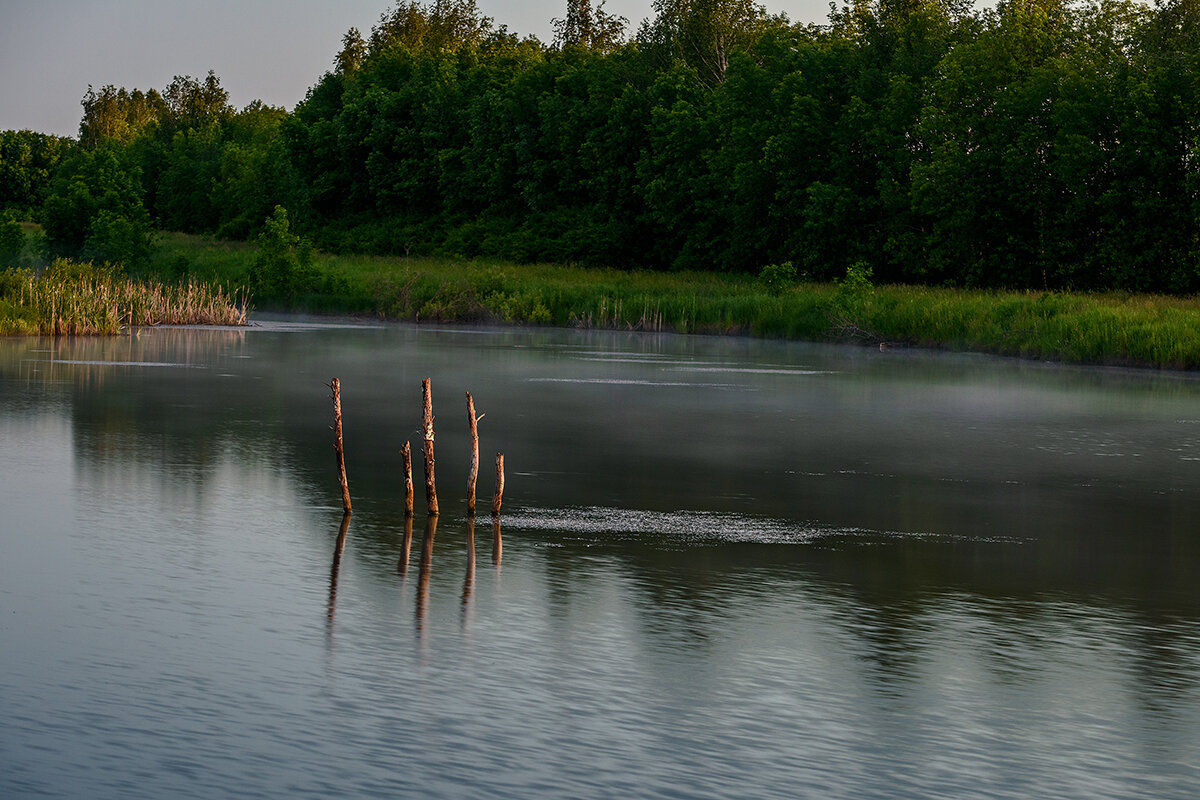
(1120, 330)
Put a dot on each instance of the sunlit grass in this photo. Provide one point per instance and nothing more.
(1099, 328)
(1092, 328)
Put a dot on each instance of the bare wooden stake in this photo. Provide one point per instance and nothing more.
(499, 496)
(406, 454)
(473, 474)
(336, 387)
(430, 484)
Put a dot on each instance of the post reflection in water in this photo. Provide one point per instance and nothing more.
(469, 578)
(424, 570)
(405, 546)
(338, 548)
(497, 544)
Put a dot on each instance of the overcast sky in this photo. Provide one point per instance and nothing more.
(270, 50)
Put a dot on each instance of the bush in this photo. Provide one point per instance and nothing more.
(778, 278)
(854, 289)
(851, 303)
(282, 268)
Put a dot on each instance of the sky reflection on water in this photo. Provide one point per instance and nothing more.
(850, 576)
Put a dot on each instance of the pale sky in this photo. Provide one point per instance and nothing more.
(269, 50)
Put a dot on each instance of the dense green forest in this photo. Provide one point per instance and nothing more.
(1037, 145)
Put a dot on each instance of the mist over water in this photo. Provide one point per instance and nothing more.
(725, 567)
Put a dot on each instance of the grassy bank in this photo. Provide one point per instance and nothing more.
(73, 298)
(1081, 328)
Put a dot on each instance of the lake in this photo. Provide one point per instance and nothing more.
(725, 568)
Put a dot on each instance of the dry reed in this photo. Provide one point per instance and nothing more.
(69, 298)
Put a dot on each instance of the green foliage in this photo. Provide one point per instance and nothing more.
(519, 306)
(588, 27)
(11, 281)
(118, 239)
(703, 33)
(95, 211)
(282, 267)
(194, 104)
(28, 162)
(444, 26)
(201, 166)
(12, 239)
(851, 304)
(1038, 145)
(73, 273)
(354, 50)
(117, 114)
(778, 278)
(856, 286)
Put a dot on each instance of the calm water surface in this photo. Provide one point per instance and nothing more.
(727, 568)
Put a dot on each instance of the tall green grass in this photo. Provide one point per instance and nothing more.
(1112, 328)
(1101, 328)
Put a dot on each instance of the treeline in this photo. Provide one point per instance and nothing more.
(181, 159)
(1040, 144)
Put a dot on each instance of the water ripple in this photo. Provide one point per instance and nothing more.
(102, 363)
(634, 382)
(694, 527)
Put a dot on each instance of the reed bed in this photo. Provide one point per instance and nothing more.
(70, 298)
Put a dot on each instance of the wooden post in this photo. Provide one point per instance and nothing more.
(406, 454)
(336, 387)
(430, 484)
(499, 496)
(473, 474)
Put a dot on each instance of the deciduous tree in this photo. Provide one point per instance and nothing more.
(593, 28)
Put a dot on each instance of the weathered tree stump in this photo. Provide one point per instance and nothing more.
(336, 387)
(498, 497)
(473, 473)
(430, 484)
(406, 455)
